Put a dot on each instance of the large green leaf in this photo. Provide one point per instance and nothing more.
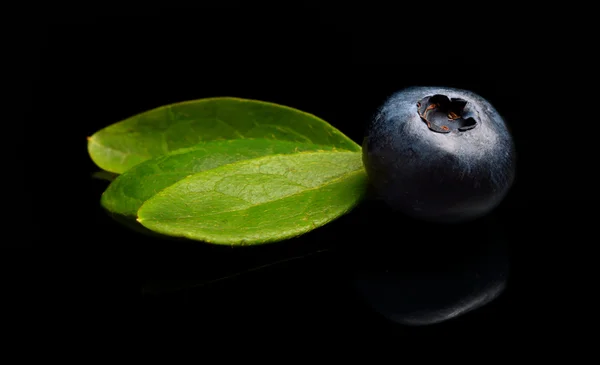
(261, 200)
(128, 191)
(125, 144)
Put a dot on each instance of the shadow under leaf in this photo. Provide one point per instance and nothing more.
(158, 287)
(135, 226)
(105, 175)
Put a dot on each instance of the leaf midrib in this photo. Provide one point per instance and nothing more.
(330, 182)
(190, 172)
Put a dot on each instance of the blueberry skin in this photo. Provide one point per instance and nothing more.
(443, 177)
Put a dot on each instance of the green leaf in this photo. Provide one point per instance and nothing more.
(261, 200)
(125, 144)
(129, 191)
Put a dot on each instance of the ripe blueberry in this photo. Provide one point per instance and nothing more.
(439, 154)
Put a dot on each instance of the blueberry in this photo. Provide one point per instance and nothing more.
(439, 154)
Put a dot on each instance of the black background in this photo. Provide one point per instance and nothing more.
(97, 70)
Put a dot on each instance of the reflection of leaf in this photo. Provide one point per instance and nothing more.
(125, 144)
(261, 200)
(104, 175)
(166, 286)
(128, 192)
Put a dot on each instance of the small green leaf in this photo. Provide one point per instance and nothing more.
(125, 144)
(261, 200)
(129, 191)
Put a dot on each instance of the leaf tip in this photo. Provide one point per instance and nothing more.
(89, 138)
(139, 220)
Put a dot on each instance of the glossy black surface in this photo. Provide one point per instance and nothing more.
(104, 65)
(441, 283)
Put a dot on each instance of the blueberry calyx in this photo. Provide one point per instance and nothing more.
(444, 115)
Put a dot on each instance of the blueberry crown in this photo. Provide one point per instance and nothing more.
(444, 115)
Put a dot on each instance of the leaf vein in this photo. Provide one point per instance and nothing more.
(285, 129)
(93, 140)
(330, 182)
(241, 136)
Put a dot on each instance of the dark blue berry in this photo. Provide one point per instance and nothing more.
(439, 154)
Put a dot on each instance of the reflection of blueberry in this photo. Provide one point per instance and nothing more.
(440, 154)
(435, 282)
